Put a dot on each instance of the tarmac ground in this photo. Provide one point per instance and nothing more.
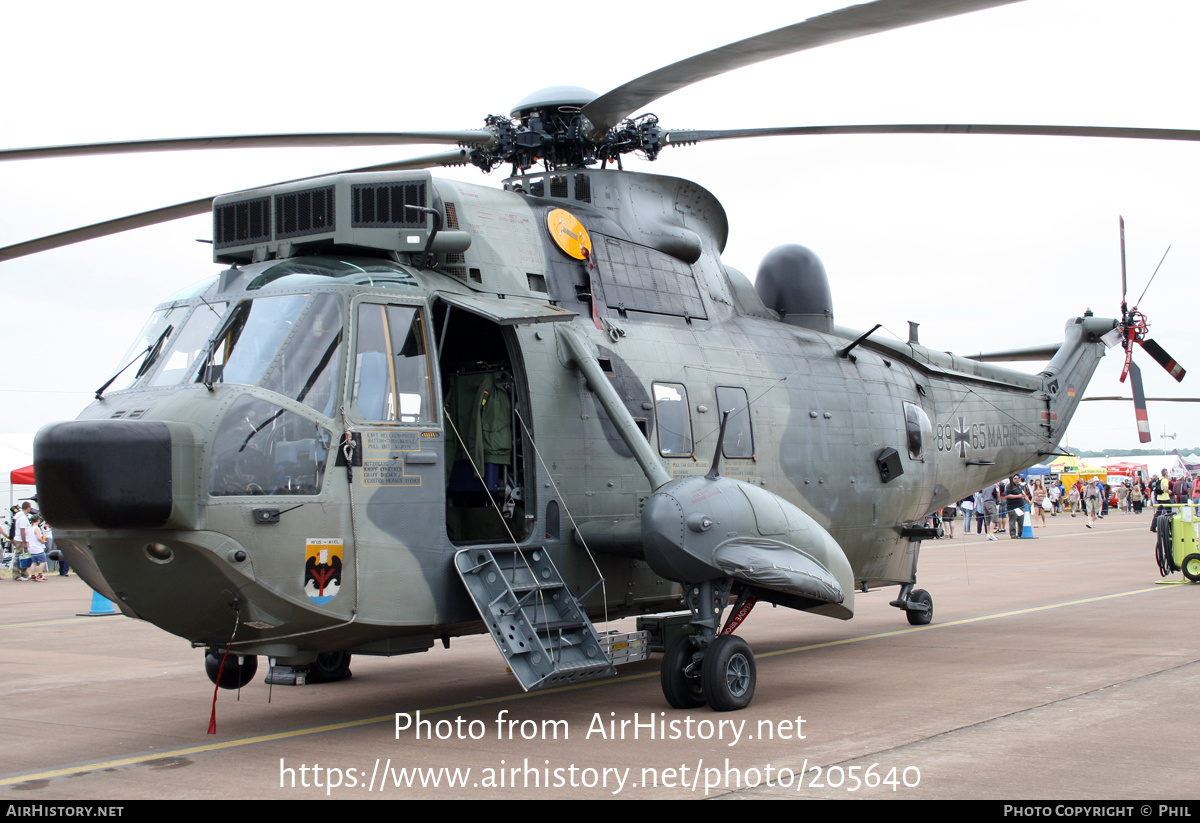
(1058, 669)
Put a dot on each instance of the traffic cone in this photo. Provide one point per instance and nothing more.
(1027, 527)
(101, 606)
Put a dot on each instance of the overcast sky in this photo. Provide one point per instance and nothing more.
(988, 242)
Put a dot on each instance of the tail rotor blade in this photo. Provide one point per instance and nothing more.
(1163, 359)
(1139, 403)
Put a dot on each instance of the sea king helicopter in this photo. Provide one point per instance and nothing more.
(411, 409)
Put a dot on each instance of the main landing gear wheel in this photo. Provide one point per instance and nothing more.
(729, 674)
(681, 691)
(235, 675)
(920, 617)
(1191, 567)
(329, 667)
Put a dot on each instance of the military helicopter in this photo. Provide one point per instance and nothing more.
(414, 408)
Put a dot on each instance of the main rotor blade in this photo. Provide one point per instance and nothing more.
(1165, 360)
(845, 24)
(1152, 276)
(128, 223)
(1139, 403)
(195, 207)
(1148, 399)
(255, 141)
(682, 137)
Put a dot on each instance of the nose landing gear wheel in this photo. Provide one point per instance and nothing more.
(729, 674)
(681, 691)
(920, 617)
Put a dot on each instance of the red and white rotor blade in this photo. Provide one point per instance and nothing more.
(1163, 359)
(1139, 403)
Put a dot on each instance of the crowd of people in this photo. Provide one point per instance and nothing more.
(1004, 504)
(29, 538)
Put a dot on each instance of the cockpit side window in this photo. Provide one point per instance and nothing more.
(262, 449)
(391, 366)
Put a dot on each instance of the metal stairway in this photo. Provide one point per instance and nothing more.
(536, 622)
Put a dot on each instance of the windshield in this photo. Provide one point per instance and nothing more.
(161, 323)
(308, 366)
(180, 359)
(290, 344)
(252, 335)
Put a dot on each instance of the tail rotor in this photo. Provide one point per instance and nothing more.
(1134, 328)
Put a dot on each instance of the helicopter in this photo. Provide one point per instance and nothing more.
(300, 452)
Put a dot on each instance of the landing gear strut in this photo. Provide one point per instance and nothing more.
(917, 605)
(681, 667)
(707, 667)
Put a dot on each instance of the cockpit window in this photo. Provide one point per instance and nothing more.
(262, 449)
(307, 367)
(391, 370)
(302, 272)
(141, 355)
(179, 361)
(250, 337)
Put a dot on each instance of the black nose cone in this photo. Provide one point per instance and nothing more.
(104, 474)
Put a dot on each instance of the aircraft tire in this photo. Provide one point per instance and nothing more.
(681, 692)
(234, 676)
(1191, 567)
(921, 618)
(729, 674)
(329, 667)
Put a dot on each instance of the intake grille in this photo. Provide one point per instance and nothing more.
(304, 212)
(385, 205)
(236, 224)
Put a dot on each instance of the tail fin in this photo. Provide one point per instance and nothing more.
(1070, 370)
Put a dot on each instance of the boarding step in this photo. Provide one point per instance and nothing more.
(537, 623)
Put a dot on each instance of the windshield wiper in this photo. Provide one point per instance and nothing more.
(209, 374)
(148, 357)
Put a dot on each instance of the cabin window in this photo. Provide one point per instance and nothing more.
(739, 441)
(391, 368)
(919, 429)
(674, 419)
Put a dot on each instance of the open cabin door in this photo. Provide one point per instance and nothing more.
(484, 393)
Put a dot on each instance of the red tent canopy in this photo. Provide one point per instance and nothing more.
(21, 477)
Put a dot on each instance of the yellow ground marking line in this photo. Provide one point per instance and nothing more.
(471, 704)
(964, 622)
(62, 621)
